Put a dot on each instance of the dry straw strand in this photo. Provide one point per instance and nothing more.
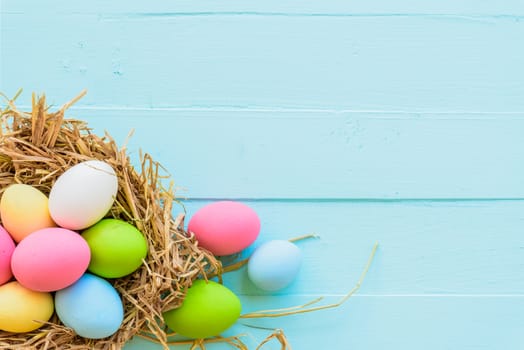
(279, 335)
(38, 146)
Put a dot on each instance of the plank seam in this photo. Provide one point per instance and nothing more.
(379, 114)
(486, 18)
(436, 16)
(393, 295)
(354, 200)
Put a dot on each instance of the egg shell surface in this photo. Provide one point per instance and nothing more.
(50, 259)
(274, 265)
(7, 246)
(18, 203)
(21, 308)
(225, 227)
(117, 248)
(208, 309)
(91, 306)
(83, 194)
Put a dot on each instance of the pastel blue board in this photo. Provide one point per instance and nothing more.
(392, 121)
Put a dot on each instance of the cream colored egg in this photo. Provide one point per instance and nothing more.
(23, 310)
(83, 194)
(23, 210)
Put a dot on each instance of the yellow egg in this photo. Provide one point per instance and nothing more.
(24, 210)
(23, 310)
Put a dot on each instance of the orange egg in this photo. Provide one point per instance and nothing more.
(24, 210)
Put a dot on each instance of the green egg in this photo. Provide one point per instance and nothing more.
(117, 248)
(208, 309)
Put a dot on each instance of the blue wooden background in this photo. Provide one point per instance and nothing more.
(393, 121)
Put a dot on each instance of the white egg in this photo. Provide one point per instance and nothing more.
(83, 194)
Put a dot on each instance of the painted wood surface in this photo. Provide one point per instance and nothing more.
(392, 121)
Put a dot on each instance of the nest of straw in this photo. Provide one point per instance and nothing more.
(38, 146)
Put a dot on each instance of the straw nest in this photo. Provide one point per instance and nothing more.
(35, 148)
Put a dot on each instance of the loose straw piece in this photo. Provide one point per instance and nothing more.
(201, 343)
(279, 335)
(290, 308)
(304, 308)
(306, 236)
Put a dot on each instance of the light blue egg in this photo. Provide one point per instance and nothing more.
(274, 265)
(91, 307)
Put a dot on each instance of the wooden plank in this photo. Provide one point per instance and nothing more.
(333, 7)
(377, 63)
(409, 323)
(426, 248)
(279, 154)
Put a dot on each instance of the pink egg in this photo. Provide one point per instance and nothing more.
(225, 227)
(7, 246)
(50, 259)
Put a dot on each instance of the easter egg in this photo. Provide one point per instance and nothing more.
(208, 309)
(91, 307)
(83, 194)
(225, 227)
(23, 310)
(7, 246)
(117, 248)
(274, 265)
(50, 259)
(19, 203)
